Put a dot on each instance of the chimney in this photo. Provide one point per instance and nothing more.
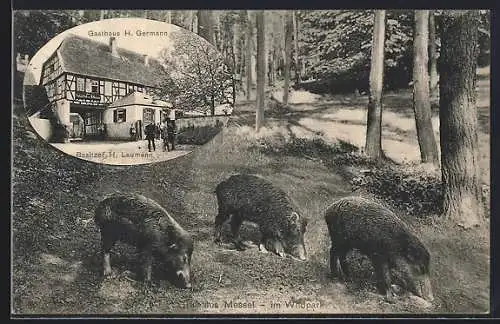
(112, 46)
(146, 59)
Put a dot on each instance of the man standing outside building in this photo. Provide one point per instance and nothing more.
(132, 132)
(171, 132)
(150, 131)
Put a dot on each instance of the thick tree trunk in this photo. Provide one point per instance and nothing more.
(205, 25)
(458, 118)
(373, 147)
(261, 70)
(433, 80)
(168, 17)
(248, 56)
(102, 14)
(421, 97)
(296, 47)
(288, 54)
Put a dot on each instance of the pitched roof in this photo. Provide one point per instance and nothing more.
(139, 98)
(84, 56)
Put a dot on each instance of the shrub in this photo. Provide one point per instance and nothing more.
(197, 135)
(414, 192)
(417, 194)
(297, 146)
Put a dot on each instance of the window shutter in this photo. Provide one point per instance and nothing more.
(115, 116)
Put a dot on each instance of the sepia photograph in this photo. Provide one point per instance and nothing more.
(93, 91)
(186, 163)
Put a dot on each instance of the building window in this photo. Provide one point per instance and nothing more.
(80, 84)
(119, 115)
(94, 86)
(107, 88)
(88, 85)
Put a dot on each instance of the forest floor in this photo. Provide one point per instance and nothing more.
(56, 265)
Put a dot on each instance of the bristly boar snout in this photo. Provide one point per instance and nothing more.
(184, 279)
(302, 253)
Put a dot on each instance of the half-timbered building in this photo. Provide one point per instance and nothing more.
(85, 77)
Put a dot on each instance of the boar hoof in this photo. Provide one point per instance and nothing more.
(389, 297)
(107, 272)
(240, 246)
(262, 248)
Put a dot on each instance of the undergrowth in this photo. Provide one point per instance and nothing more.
(412, 191)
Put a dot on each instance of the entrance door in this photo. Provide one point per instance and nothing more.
(77, 129)
(93, 121)
(148, 116)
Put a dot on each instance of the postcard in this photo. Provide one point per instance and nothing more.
(250, 162)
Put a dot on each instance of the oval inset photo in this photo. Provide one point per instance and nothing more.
(128, 91)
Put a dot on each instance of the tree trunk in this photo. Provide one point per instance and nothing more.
(168, 17)
(421, 98)
(248, 56)
(145, 14)
(261, 69)
(212, 105)
(102, 14)
(271, 68)
(458, 118)
(288, 54)
(296, 47)
(205, 25)
(373, 147)
(433, 81)
(192, 22)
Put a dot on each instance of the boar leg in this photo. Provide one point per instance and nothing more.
(338, 265)
(344, 269)
(383, 278)
(278, 247)
(236, 222)
(265, 243)
(220, 219)
(107, 242)
(335, 267)
(148, 264)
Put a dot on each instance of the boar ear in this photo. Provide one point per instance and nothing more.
(295, 217)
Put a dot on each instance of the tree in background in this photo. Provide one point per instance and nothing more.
(335, 48)
(206, 25)
(288, 54)
(199, 76)
(458, 118)
(373, 146)
(433, 75)
(34, 28)
(261, 69)
(296, 62)
(421, 96)
(248, 55)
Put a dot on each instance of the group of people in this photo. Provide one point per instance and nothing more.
(165, 131)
